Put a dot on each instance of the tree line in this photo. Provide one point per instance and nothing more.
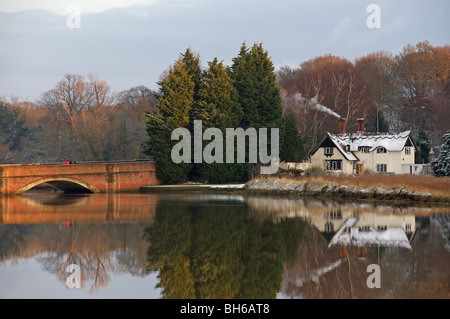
(244, 95)
(81, 119)
(410, 90)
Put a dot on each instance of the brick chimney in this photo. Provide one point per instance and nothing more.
(342, 125)
(361, 125)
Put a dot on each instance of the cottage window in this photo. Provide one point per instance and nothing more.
(328, 151)
(408, 150)
(364, 149)
(381, 150)
(382, 228)
(333, 215)
(381, 168)
(335, 165)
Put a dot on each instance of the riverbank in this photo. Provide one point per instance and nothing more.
(335, 188)
(414, 189)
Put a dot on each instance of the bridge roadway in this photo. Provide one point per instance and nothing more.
(84, 177)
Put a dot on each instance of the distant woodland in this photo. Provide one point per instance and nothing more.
(81, 119)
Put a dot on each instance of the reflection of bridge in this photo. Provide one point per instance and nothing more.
(87, 177)
(54, 208)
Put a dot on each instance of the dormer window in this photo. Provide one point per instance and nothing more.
(381, 149)
(364, 149)
(328, 151)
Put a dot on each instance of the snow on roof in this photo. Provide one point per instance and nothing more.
(341, 146)
(391, 141)
(393, 237)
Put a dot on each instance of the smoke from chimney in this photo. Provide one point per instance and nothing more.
(313, 104)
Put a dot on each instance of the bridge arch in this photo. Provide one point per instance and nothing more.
(66, 184)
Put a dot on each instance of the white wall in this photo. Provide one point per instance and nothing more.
(394, 160)
(366, 159)
(319, 158)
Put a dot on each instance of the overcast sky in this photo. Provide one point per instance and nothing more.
(130, 43)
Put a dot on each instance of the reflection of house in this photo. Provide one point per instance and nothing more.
(322, 263)
(367, 229)
(349, 234)
(352, 153)
(342, 227)
(348, 224)
(329, 218)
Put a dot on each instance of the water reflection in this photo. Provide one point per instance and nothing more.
(53, 208)
(225, 246)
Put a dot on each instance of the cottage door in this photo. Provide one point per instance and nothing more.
(359, 169)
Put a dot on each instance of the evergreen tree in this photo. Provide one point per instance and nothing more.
(245, 96)
(293, 148)
(423, 153)
(255, 81)
(177, 95)
(174, 103)
(259, 95)
(441, 165)
(217, 106)
(192, 62)
(243, 81)
(217, 103)
(380, 124)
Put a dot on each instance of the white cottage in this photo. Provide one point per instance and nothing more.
(353, 153)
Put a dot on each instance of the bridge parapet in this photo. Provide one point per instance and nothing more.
(89, 176)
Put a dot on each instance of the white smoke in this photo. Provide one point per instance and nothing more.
(313, 104)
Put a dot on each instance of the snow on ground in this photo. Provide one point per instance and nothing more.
(234, 186)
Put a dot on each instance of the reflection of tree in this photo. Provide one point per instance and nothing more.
(215, 265)
(216, 252)
(97, 248)
(263, 257)
(13, 239)
(71, 247)
(169, 245)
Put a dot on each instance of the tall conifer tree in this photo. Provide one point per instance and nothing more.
(255, 81)
(218, 106)
(259, 94)
(175, 102)
(217, 103)
(193, 65)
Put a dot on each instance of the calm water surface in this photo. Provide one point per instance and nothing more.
(219, 246)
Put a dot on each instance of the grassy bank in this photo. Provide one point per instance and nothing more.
(416, 183)
(377, 187)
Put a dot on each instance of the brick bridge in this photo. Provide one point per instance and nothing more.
(85, 177)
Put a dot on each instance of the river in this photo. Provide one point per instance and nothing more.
(194, 245)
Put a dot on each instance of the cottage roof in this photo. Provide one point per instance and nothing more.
(391, 141)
